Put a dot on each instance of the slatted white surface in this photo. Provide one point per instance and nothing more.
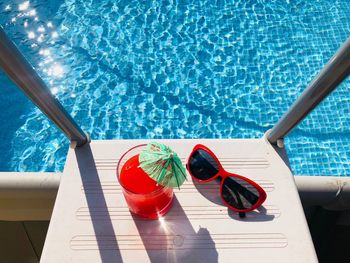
(91, 222)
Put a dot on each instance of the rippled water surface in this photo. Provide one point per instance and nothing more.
(179, 69)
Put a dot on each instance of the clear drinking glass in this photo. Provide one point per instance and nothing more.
(144, 199)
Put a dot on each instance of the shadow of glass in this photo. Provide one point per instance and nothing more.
(173, 239)
(109, 251)
(211, 191)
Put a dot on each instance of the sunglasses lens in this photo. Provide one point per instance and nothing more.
(239, 193)
(202, 165)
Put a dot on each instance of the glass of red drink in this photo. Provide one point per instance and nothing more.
(143, 195)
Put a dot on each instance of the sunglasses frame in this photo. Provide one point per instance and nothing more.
(224, 174)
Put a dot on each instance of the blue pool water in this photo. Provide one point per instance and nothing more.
(176, 69)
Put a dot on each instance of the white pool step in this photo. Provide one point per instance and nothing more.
(91, 222)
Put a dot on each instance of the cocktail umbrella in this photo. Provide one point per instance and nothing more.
(162, 164)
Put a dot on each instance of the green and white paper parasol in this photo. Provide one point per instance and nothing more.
(162, 164)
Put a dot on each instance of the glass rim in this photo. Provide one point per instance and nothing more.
(128, 190)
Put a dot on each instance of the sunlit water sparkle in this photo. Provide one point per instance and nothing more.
(182, 69)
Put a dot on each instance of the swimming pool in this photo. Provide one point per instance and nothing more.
(176, 69)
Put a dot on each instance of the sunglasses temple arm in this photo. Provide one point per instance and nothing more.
(239, 201)
(241, 214)
(249, 195)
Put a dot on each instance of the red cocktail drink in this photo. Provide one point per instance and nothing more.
(143, 195)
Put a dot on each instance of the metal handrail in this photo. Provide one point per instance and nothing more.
(27, 79)
(335, 71)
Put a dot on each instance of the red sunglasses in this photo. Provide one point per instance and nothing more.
(238, 193)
